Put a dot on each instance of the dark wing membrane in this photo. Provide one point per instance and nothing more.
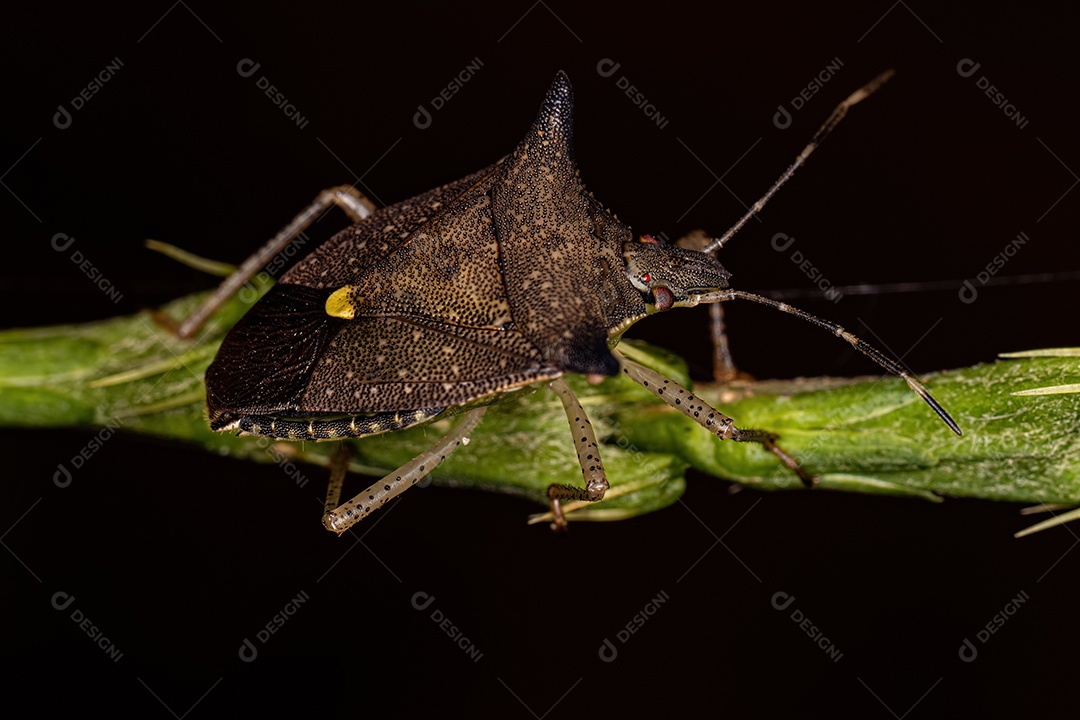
(265, 360)
(342, 258)
(403, 363)
(287, 357)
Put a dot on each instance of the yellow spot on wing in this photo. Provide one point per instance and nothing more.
(338, 304)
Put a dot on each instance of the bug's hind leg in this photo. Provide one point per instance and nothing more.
(340, 518)
(348, 198)
(592, 469)
(707, 416)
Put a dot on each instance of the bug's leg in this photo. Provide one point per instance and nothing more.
(340, 519)
(339, 466)
(707, 416)
(588, 452)
(348, 198)
(724, 370)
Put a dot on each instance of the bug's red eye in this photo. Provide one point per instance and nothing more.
(646, 278)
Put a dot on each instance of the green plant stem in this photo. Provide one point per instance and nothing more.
(868, 435)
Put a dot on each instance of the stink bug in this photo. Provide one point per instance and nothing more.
(438, 306)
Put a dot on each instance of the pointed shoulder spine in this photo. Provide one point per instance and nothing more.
(556, 115)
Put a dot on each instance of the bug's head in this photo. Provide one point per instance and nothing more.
(668, 274)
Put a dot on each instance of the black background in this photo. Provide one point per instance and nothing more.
(178, 557)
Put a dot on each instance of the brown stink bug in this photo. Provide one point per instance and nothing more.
(437, 306)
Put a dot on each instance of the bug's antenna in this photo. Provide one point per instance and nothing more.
(819, 137)
(865, 348)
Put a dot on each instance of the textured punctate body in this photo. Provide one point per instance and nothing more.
(508, 278)
(511, 276)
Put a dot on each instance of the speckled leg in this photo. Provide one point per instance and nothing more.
(724, 370)
(339, 465)
(707, 416)
(342, 518)
(592, 469)
(348, 198)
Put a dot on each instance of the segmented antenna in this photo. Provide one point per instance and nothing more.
(819, 137)
(862, 346)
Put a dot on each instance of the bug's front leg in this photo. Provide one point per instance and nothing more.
(340, 518)
(724, 370)
(588, 453)
(707, 416)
